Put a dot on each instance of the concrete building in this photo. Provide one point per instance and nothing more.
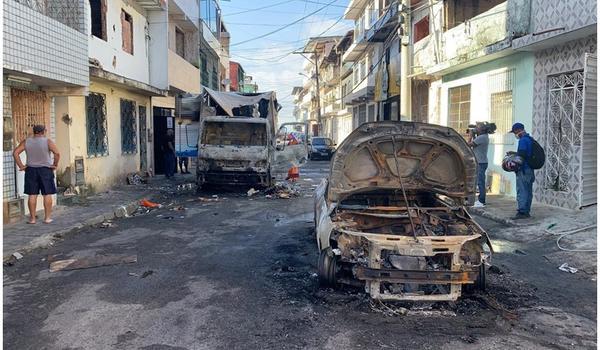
(249, 85)
(236, 76)
(182, 60)
(214, 57)
(115, 116)
(32, 83)
(495, 62)
(563, 42)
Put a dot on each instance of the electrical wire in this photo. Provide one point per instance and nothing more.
(283, 27)
(563, 234)
(258, 8)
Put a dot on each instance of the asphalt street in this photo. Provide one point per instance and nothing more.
(221, 270)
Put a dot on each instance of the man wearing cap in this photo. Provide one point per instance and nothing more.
(39, 170)
(525, 175)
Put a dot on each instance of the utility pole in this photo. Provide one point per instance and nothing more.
(405, 86)
(316, 63)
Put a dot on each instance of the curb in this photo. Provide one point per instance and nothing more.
(48, 239)
(500, 220)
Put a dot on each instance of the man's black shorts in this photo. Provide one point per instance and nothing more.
(39, 180)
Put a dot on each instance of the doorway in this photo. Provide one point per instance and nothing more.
(162, 120)
(143, 140)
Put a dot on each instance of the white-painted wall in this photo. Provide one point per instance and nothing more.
(110, 53)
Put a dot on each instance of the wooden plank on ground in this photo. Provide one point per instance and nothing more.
(93, 261)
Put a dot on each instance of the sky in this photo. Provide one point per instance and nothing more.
(269, 60)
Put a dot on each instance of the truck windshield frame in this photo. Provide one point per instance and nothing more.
(220, 133)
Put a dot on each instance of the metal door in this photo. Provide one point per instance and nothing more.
(563, 134)
(143, 139)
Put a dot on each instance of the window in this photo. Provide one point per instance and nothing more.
(98, 18)
(97, 136)
(459, 107)
(128, 127)
(127, 32)
(356, 73)
(210, 14)
(371, 113)
(421, 29)
(215, 78)
(459, 11)
(363, 68)
(359, 28)
(179, 43)
(344, 93)
(362, 114)
(501, 113)
(204, 74)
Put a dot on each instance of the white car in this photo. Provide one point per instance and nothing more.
(392, 217)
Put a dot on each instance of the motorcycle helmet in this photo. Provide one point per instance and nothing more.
(512, 162)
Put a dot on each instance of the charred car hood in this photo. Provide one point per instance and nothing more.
(430, 158)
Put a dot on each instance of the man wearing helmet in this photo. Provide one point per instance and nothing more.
(525, 174)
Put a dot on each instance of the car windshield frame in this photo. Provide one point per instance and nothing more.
(325, 141)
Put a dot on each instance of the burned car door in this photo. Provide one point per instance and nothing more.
(291, 147)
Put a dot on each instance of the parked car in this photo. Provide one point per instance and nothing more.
(392, 214)
(321, 147)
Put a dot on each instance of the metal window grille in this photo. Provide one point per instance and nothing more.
(128, 127)
(29, 108)
(500, 86)
(67, 12)
(9, 185)
(215, 79)
(459, 107)
(96, 125)
(362, 114)
(563, 132)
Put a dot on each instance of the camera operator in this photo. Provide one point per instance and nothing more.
(479, 141)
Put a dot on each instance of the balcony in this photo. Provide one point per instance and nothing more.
(384, 26)
(153, 4)
(479, 39)
(356, 50)
(183, 75)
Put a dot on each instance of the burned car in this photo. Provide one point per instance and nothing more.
(392, 217)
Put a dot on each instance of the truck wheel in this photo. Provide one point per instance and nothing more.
(480, 281)
(327, 268)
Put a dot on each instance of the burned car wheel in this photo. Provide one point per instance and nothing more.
(480, 282)
(327, 268)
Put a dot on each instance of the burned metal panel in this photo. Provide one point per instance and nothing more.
(432, 157)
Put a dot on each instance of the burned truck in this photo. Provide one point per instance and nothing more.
(391, 215)
(237, 139)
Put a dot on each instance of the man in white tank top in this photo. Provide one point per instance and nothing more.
(39, 170)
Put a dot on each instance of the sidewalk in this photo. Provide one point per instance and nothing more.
(546, 225)
(23, 237)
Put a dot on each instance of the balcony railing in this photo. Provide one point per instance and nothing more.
(381, 30)
(68, 12)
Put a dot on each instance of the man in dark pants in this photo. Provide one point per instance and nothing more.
(39, 170)
(480, 149)
(525, 175)
(169, 149)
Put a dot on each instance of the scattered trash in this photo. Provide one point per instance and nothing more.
(252, 192)
(179, 208)
(147, 273)
(566, 268)
(379, 306)
(17, 255)
(520, 252)
(284, 190)
(495, 269)
(107, 224)
(147, 204)
(204, 199)
(169, 217)
(215, 196)
(90, 262)
(135, 179)
(133, 274)
(183, 187)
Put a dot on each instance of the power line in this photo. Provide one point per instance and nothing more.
(283, 27)
(259, 8)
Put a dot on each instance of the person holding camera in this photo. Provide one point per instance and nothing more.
(479, 141)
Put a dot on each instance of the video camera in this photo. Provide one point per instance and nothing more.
(485, 127)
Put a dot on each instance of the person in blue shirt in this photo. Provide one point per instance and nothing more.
(525, 174)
